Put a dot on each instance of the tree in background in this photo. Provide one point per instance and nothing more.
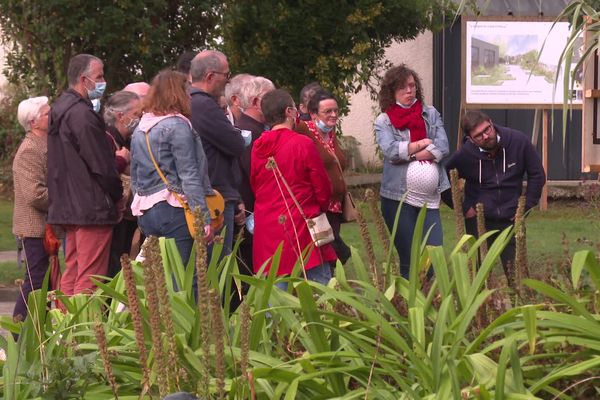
(134, 38)
(340, 44)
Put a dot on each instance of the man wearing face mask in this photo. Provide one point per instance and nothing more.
(84, 188)
(121, 115)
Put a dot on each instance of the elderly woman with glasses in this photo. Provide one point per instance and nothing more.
(413, 141)
(321, 128)
(31, 196)
(289, 183)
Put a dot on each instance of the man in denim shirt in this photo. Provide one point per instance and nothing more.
(223, 144)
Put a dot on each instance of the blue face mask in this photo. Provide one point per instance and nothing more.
(322, 127)
(97, 91)
(96, 105)
(250, 224)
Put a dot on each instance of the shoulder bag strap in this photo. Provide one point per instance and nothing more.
(271, 162)
(160, 173)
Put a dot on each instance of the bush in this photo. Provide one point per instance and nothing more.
(11, 134)
(375, 336)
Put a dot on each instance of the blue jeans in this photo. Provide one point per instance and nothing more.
(229, 226)
(228, 214)
(164, 220)
(406, 228)
(320, 273)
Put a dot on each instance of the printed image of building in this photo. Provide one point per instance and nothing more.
(484, 54)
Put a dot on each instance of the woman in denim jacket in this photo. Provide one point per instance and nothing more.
(178, 152)
(413, 141)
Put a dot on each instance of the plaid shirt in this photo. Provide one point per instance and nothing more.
(31, 192)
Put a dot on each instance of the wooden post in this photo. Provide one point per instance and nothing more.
(544, 198)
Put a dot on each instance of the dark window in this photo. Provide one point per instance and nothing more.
(474, 57)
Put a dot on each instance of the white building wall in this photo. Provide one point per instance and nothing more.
(418, 55)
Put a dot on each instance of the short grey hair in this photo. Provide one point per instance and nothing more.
(234, 87)
(121, 101)
(29, 110)
(206, 61)
(254, 88)
(80, 65)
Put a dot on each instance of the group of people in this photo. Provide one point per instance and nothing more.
(107, 176)
(493, 161)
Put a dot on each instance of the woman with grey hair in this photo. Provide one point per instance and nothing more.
(31, 196)
(122, 115)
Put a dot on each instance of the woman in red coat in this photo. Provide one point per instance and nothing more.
(276, 216)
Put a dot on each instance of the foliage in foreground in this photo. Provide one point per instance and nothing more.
(373, 336)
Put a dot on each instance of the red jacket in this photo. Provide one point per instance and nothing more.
(302, 168)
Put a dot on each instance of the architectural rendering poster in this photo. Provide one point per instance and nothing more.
(502, 66)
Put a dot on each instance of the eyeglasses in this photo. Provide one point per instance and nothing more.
(227, 74)
(477, 137)
(330, 111)
(411, 86)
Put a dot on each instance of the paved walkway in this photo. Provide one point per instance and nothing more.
(10, 255)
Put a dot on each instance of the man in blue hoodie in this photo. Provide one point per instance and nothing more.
(493, 162)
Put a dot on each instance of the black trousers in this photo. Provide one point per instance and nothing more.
(508, 254)
(120, 244)
(37, 264)
(341, 248)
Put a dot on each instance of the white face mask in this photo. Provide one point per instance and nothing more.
(96, 105)
(408, 106)
(133, 122)
(247, 135)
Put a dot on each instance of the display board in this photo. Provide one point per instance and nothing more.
(590, 140)
(506, 64)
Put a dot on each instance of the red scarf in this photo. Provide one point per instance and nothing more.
(408, 118)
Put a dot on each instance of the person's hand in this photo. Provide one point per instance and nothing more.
(209, 234)
(240, 215)
(124, 153)
(470, 213)
(423, 143)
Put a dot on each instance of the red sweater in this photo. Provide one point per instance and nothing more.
(277, 218)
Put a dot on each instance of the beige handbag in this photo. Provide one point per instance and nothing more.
(319, 227)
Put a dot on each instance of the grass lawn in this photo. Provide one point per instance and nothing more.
(565, 228)
(9, 272)
(7, 239)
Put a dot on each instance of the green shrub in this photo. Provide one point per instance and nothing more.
(445, 339)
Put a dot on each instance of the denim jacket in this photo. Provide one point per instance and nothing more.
(178, 151)
(394, 146)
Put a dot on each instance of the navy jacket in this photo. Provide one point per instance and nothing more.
(497, 182)
(83, 183)
(223, 144)
(250, 124)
